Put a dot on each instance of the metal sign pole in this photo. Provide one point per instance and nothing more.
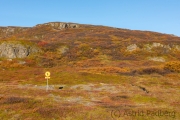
(47, 85)
(47, 76)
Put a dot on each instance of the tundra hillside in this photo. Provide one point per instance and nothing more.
(97, 72)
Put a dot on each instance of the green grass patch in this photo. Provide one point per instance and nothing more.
(84, 78)
(144, 99)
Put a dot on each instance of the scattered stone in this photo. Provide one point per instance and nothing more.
(16, 117)
(176, 47)
(158, 59)
(157, 45)
(43, 87)
(62, 50)
(144, 89)
(147, 47)
(9, 59)
(22, 62)
(132, 47)
(60, 87)
(78, 99)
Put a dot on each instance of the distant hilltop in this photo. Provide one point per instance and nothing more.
(10, 30)
(51, 30)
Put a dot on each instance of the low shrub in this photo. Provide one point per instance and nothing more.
(30, 62)
(151, 70)
(42, 43)
(10, 64)
(173, 66)
(13, 100)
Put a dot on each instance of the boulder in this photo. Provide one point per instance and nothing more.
(16, 50)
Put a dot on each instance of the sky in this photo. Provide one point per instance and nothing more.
(148, 15)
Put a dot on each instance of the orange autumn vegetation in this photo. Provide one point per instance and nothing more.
(107, 70)
(173, 66)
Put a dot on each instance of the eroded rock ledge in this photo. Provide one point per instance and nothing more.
(16, 50)
(60, 25)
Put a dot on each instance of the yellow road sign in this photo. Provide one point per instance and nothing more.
(47, 74)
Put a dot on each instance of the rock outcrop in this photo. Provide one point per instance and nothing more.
(149, 47)
(60, 25)
(10, 30)
(16, 50)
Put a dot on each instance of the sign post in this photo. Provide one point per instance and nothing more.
(47, 76)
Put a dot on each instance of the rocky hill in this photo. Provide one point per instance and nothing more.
(87, 45)
(96, 73)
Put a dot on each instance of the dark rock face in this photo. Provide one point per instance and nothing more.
(13, 50)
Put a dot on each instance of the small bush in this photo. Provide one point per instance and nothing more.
(42, 43)
(30, 62)
(13, 100)
(10, 64)
(173, 66)
(89, 63)
(151, 70)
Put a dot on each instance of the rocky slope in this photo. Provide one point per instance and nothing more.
(10, 30)
(18, 50)
(74, 42)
